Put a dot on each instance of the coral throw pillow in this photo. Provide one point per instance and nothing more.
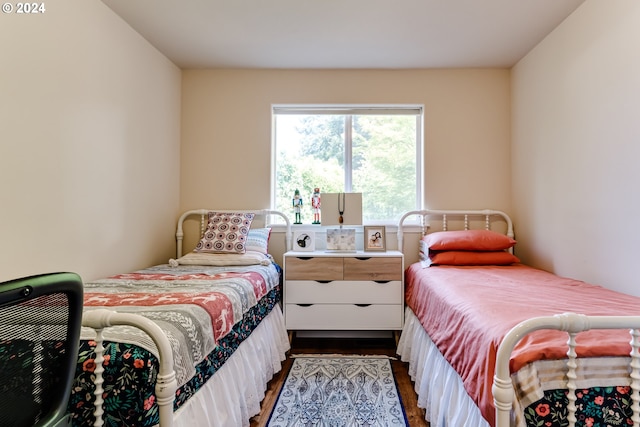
(468, 240)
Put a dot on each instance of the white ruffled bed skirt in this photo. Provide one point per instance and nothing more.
(233, 395)
(439, 388)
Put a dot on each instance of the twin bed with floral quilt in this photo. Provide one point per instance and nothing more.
(218, 332)
(483, 331)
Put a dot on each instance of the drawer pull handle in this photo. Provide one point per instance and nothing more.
(304, 305)
(382, 281)
(324, 281)
(363, 258)
(362, 305)
(304, 258)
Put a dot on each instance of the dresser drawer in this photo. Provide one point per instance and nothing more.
(345, 292)
(351, 291)
(316, 268)
(343, 316)
(370, 268)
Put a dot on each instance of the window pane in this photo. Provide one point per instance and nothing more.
(384, 165)
(309, 154)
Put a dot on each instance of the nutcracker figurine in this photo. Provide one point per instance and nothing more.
(315, 205)
(297, 205)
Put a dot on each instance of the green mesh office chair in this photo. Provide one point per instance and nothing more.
(40, 319)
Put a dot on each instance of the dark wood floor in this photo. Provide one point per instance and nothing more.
(377, 346)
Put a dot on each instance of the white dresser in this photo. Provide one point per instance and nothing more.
(344, 291)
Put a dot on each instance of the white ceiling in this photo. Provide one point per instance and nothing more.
(318, 34)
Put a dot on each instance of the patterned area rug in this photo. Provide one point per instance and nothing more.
(343, 391)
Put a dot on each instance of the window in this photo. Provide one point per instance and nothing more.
(373, 150)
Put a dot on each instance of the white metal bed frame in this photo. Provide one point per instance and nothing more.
(203, 223)
(571, 323)
(446, 215)
(100, 319)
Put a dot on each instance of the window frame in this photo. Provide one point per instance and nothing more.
(350, 110)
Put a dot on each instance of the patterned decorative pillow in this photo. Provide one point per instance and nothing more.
(258, 240)
(226, 232)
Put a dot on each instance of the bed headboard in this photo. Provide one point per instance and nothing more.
(461, 219)
(266, 213)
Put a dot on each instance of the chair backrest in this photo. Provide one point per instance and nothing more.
(40, 320)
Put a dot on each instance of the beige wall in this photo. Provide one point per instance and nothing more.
(576, 145)
(98, 158)
(103, 141)
(226, 129)
(89, 144)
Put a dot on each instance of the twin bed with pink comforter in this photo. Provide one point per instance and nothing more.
(458, 315)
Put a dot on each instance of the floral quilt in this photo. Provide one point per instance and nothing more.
(597, 407)
(196, 306)
(130, 373)
(206, 312)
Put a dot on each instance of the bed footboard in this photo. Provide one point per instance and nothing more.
(166, 384)
(571, 323)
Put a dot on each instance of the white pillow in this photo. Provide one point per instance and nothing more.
(221, 260)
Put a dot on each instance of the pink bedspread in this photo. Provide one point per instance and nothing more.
(467, 311)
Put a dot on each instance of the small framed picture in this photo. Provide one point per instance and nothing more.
(341, 239)
(374, 238)
(304, 241)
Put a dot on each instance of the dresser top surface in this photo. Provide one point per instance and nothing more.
(353, 254)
